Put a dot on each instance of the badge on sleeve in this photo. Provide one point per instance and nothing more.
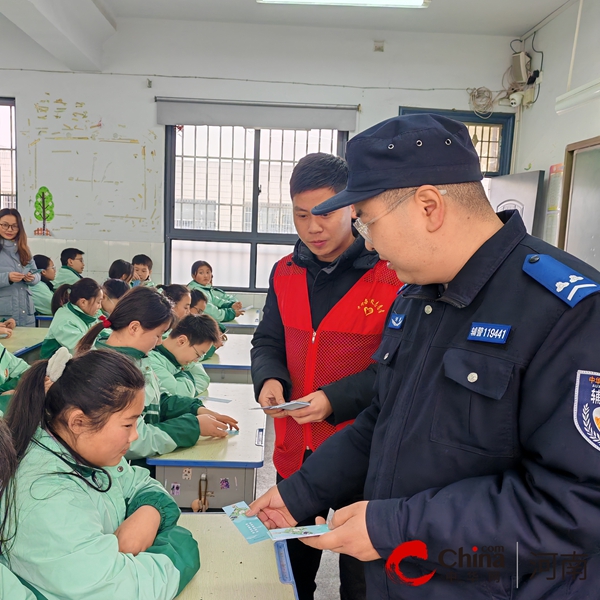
(396, 321)
(586, 410)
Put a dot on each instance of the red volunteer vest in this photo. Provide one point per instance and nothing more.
(342, 345)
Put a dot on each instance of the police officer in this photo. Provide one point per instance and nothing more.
(480, 454)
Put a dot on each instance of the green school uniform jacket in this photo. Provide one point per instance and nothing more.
(167, 423)
(11, 369)
(190, 380)
(65, 545)
(68, 326)
(12, 589)
(218, 304)
(66, 275)
(42, 298)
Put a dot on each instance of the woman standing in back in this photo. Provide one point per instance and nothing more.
(16, 270)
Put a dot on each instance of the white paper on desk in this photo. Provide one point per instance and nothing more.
(295, 405)
(223, 400)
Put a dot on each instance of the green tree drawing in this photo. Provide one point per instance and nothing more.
(44, 207)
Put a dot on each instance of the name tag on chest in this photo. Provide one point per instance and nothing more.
(489, 332)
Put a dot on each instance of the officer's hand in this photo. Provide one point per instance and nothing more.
(271, 394)
(136, 533)
(271, 510)
(319, 409)
(210, 426)
(348, 533)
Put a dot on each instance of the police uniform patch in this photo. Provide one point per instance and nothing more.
(586, 408)
(396, 321)
(489, 332)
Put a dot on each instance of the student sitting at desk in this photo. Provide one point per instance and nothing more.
(10, 586)
(74, 311)
(112, 290)
(43, 291)
(142, 271)
(180, 297)
(176, 360)
(138, 322)
(11, 369)
(72, 267)
(88, 524)
(220, 306)
(121, 269)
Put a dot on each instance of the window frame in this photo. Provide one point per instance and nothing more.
(5, 101)
(252, 237)
(507, 120)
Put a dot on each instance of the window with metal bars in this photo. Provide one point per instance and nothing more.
(491, 137)
(8, 154)
(227, 198)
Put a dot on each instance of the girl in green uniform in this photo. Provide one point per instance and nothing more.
(82, 522)
(43, 291)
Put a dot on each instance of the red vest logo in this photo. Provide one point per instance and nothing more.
(370, 306)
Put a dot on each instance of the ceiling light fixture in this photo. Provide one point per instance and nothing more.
(365, 3)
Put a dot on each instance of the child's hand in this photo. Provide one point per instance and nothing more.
(137, 533)
(238, 312)
(221, 342)
(10, 323)
(236, 305)
(233, 424)
(5, 330)
(210, 426)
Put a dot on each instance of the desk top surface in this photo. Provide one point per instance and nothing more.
(249, 319)
(244, 450)
(231, 568)
(24, 339)
(235, 354)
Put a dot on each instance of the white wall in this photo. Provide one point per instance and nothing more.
(107, 188)
(544, 134)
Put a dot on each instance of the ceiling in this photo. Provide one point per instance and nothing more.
(491, 17)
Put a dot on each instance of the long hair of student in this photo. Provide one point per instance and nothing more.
(115, 288)
(143, 304)
(198, 264)
(8, 467)
(197, 329)
(99, 383)
(119, 268)
(43, 262)
(174, 292)
(86, 288)
(21, 239)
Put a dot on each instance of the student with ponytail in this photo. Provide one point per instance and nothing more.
(180, 296)
(74, 308)
(138, 322)
(88, 525)
(10, 586)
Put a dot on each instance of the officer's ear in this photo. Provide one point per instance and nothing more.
(431, 206)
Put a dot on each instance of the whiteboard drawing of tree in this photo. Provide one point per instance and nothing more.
(44, 210)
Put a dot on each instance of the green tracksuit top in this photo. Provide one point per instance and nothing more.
(68, 326)
(176, 380)
(168, 422)
(11, 369)
(66, 275)
(218, 304)
(42, 298)
(65, 545)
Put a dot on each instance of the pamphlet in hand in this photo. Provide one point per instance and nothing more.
(245, 308)
(295, 405)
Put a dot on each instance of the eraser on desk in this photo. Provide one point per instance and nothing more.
(251, 528)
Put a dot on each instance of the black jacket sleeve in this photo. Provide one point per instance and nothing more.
(351, 395)
(268, 357)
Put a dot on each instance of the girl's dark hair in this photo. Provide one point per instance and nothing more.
(197, 329)
(115, 288)
(198, 264)
(21, 239)
(85, 288)
(142, 304)
(43, 262)
(174, 292)
(8, 467)
(119, 268)
(99, 383)
(198, 296)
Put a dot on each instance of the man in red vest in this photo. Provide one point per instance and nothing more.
(323, 320)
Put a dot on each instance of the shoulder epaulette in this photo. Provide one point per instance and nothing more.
(564, 282)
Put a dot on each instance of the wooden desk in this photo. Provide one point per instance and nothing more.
(224, 467)
(231, 363)
(245, 323)
(230, 568)
(25, 342)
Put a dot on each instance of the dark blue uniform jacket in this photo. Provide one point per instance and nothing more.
(472, 444)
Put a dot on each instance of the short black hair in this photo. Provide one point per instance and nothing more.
(69, 254)
(197, 329)
(142, 259)
(197, 296)
(119, 268)
(41, 261)
(319, 170)
(115, 288)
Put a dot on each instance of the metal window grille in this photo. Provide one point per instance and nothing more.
(8, 155)
(487, 140)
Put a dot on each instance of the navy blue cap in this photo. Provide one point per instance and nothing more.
(406, 152)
